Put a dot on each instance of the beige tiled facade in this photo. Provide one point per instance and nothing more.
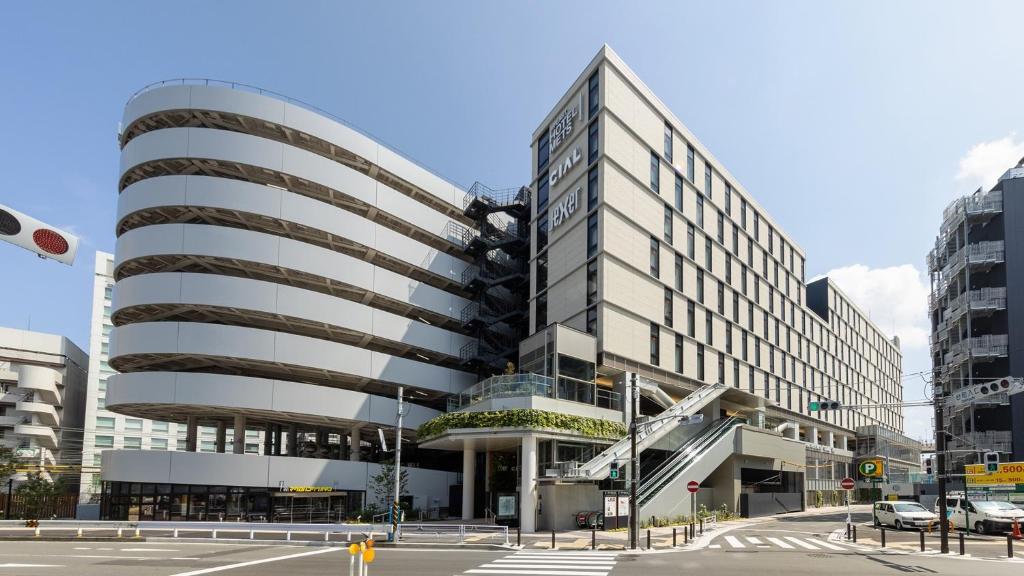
(688, 265)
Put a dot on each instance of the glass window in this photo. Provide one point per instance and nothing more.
(655, 344)
(691, 321)
(592, 320)
(721, 227)
(668, 307)
(679, 354)
(542, 312)
(679, 272)
(728, 338)
(591, 282)
(700, 286)
(743, 213)
(591, 235)
(592, 143)
(655, 172)
(721, 368)
(543, 150)
(668, 224)
(728, 269)
(104, 423)
(542, 231)
(668, 142)
(158, 444)
(132, 443)
(700, 362)
(709, 262)
(700, 210)
(655, 257)
(707, 180)
(207, 446)
(159, 427)
(104, 441)
(101, 403)
(728, 199)
(592, 189)
(133, 424)
(593, 96)
(721, 297)
(542, 192)
(679, 192)
(542, 271)
(735, 241)
(689, 163)
(709, 332)
(690, 250)
(757, 227)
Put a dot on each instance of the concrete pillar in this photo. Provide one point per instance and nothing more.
(268, 440)
(528, 485)
(191, 433)
(221, 437)
(239, 436)
(712, 411)
(793, 431)
(293, 441)
(488, 471)
(830, 439)
(812, 434)
(468, 482)
(844, 442)
(277, 439)
(354, 439)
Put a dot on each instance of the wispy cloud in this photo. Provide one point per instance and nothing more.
(985, 162)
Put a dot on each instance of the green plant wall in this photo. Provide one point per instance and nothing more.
(523, 418)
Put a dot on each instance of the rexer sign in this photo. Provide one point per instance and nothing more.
(565, 208)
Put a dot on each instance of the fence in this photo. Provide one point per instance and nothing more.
(62, 506)
(482, 533)
(232, 530)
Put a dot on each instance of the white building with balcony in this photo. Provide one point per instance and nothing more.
(42, 399)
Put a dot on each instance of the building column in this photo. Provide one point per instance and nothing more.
(354, 439)
(468, 482)
(528, 485)
(830, 439)
(221, 437)
(277, 439)
(844, 442)
(293, 446)
(812, 434)
(268, 440)
(239, 436)
(793, 431)
(191, 433)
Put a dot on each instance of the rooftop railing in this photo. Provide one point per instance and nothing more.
(529, 384)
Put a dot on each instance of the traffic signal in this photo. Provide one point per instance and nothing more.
(35, 236)
(819, 405)
(991, 462)
(928, 469)
(613, 472)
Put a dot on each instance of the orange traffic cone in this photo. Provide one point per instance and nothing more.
(1016, 530)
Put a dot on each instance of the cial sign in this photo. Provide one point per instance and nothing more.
(565, 166)
(564, 123)
(565, 208)
(871, 468)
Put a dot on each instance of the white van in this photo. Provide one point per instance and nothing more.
(983, 516)
(902, 514)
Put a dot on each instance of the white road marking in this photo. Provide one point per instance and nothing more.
(548, 566)
(715, 546)
(31, 565)
(148, 550)
(606, 555)
(255, 562)
(734, 542)
(570, 561)
(802, 544)
(827, 545)
(81, 548)
(537, 572)
(753, 539)
(780, 543)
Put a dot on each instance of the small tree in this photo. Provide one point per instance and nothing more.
(383, 484)
(36, 491)
(7, 464)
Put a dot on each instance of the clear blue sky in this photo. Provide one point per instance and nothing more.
(847, 121)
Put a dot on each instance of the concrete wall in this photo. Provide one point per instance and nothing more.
(561, 502)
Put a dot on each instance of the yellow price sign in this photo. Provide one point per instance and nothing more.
(1009, 473)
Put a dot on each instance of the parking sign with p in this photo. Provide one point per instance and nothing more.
(871, 468)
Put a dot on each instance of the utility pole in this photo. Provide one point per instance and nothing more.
(940, 467)
(396, 509)
(634, 464)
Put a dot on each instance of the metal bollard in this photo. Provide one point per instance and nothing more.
(138, 533)
(519, 536)
(686, 536)
(921, 533)
(593, 539)
(847, 530)
(883, 538)
(693, 531)
(854, 533)
(175, 532)
(1009, 545)
(648, 538)
(37, 531)
(961, 535)
(252, 534)
(288, 535)
(552, 539)
(673, 537)
(213, 534)
(79, 535)
(119, 532)
(701, 526)
(327, 536)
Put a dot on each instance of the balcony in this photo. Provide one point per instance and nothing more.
(980, 348)
(993, 440)
(43, 413)
(983, 302)
(535, 385)
(980, 255)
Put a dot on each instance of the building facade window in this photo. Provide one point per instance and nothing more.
(721, 298)
(700, 286)
(679, 271)
(591, 235)
(592, 189)
(700, 211)
(679, 353)
(542, 192)
(655, 257)
(542, 271)
(104, 423)
(668, 142)
(591, 283)
(728, 199)
(158, 444)
(709, 328)
(668, 307)
(668, 224)
(728, 338)
(104, 441)
(542, 231)
(679, 192)
(132, 443)
(543, 151)
(691, 319)
(592, 142)
(707, 180)
(655, 344)
(542, 312)
(593, 94)
(655, 172)
(700, 362)
(592, 320)
(690, 249)
(689, 163)
(709, 262)
(721, 228)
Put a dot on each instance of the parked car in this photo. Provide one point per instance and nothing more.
(902, 514)
(983, 516)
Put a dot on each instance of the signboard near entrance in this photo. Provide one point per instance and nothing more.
(874, 468)
(692, 486)
(507, 506)
(1010, 474)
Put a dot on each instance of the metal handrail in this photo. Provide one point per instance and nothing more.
(300, 103)
(684, 456)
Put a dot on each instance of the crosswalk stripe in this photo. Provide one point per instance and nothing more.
(780, 543)
(538, 572)
(605, 555)
(827, 545)
(753, 540)
(574, 561)
(548, 566)
(734, 542)
(801, 543)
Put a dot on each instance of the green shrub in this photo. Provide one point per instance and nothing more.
(523, 418)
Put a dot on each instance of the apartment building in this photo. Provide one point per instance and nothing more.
(978, 252)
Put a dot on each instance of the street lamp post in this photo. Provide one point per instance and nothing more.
(634, 473)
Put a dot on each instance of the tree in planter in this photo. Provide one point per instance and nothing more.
(383, 484)
(36, 491)
(7, 467)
